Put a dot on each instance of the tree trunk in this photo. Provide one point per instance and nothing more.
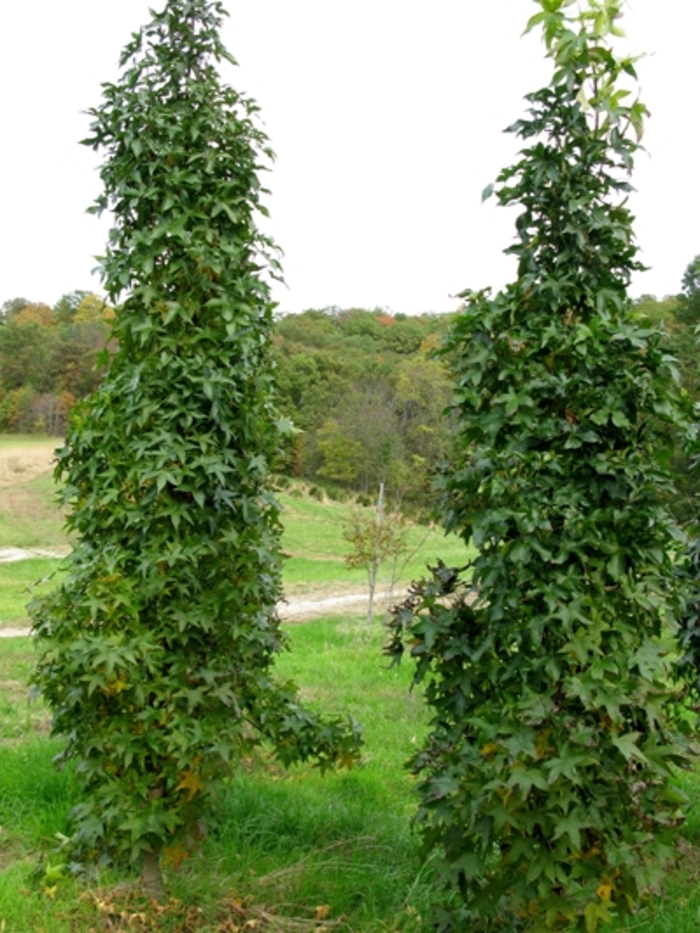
(372, 579)
(374, 565)
(151, 877)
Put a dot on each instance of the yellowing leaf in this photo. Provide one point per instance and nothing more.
(175, 855)
(115, 686)
(346, 760)
(604, 891)
(191, 783)
(596, 913)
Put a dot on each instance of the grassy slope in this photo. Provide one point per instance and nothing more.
(29, 515)
(313, 539)
(19, 582)
(28, 441)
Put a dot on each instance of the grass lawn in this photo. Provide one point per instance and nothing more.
(291, 851)
(31, 442)
(29, 514)
(19, 582)
(313, 535)
(289, 846)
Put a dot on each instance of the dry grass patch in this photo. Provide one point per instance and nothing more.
(23, 459)
(30, 516)
(29, 513)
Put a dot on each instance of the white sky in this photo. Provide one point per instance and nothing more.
(386, 117)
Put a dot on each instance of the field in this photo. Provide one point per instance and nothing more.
(291, 851)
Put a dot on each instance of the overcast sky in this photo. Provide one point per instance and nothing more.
(386, 117)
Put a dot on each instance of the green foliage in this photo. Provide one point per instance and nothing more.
(342, 456)
(544, 782)
(680, 341)
(156, 650)
(375, 538)
(689, 570)
(47, 360)
(365, 376)
(368, 396)
(285, 842)
(11, 307)
(688, 310)
(24, 353)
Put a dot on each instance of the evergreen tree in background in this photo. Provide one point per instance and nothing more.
(545, 779)
(156, 650)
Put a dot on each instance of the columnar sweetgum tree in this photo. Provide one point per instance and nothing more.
(156, 650)
(544, 780)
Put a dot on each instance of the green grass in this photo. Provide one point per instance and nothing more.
(313, 539)
(285, 843)
(21, 718)
(21, 581)
(31, 441)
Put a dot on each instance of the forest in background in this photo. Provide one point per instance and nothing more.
(364, 389)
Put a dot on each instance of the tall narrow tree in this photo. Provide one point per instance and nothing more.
(156, 651)
(544, 780)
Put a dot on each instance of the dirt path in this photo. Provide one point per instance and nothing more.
(8, 555)
(22, 462)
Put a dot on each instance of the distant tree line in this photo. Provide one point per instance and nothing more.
(48, 359)
(367, 395)
(364, 389)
